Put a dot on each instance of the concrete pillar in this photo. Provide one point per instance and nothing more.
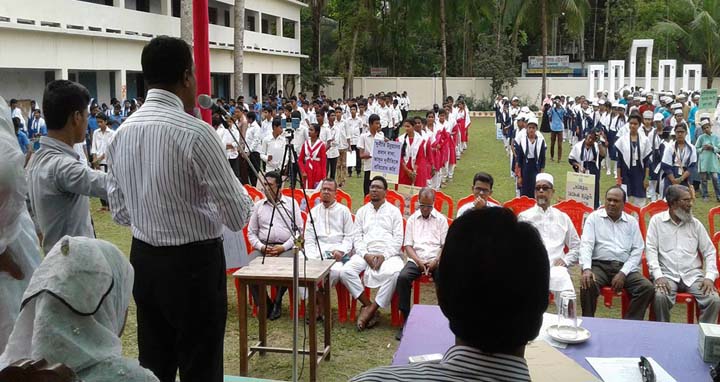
(280, 26)
(297, 84)
(281, 82)
(165, 7)
(258, 23)
(119, 3)
(258, 86)
(61, 74)
(120, 85)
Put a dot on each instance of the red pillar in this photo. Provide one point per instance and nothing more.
(201, 49)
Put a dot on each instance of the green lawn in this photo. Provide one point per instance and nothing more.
(353, 352)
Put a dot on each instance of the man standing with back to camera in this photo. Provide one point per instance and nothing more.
(169, 180)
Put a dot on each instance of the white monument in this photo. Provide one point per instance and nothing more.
(616, 76)
(648, 45)
(670, 65)
(596, 73)
(696, 70)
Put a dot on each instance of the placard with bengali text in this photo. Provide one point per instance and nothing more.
(386, 160)
(581, 188)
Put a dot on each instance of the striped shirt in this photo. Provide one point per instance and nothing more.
(168, 177)
(460, 363)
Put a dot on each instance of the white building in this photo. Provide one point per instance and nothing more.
(99, 42)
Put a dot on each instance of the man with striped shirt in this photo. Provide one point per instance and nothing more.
(490, 338)
(169, 180)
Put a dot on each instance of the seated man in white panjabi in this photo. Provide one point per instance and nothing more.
(557, 232)
(378, 237)
(329, 235)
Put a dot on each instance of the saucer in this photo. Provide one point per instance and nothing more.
(582, 335)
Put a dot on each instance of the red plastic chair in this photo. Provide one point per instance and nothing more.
(299, 195)
(633, 210)
(254, 193)
(650, 210)
(340, 196)
(576, 211)
(519, 204)
(392, 197)
(711, 219)
(441, 199)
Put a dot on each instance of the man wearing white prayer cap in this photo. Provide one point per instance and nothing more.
(74, 312)
(557, 232)
(19, 245)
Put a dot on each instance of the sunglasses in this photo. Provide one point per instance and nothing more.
(543, 188)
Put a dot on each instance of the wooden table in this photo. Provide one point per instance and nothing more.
(279, 271)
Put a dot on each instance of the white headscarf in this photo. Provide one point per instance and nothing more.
(18, 239)
(74, 311)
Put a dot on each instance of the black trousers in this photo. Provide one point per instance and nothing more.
(358, 164)
(255, 160)
(366, 183)
(404, 285)
(404, 114)
(104, 168)
(243, 170)
(181, 299)
(331, 167)
(235, 166)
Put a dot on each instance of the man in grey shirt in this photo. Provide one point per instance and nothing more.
(60, 183)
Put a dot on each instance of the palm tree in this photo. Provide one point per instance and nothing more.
(701, 35)
(186, 21)
(239, 38)
(443, 44)
(316, 7)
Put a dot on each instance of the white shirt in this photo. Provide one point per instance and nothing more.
(17, 113)
(254, 137)
(556, 230)
(608, 240)
(367, 143)
(82, 153)
(353, 129)
(227, 139)
(330, 135)
(282, 227)
(275, 147)
(386, 115)
(183, 190)
(396, 116)
(100, 141)
(469, 206)
(342, 135)
(266, 127)
(426, 236)
(378, 231)
(37, 125)
(301, 135)
(672, 250)
(334, 227)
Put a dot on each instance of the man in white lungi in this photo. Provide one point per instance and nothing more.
(378, 237)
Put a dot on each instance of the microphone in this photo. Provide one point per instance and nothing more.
(205, 102)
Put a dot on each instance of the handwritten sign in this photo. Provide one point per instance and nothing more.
(386, 160)
(708, 100)
(581, 188)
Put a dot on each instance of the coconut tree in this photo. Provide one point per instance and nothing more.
(238, 39)
(701, 35)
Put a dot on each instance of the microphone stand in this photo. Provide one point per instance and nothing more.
(298, 241)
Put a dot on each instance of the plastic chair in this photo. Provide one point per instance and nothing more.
(651, 209)
(393, 197)
(632, 209)
(254, 193)
(441, 199)
(299, 195)
(576, 211)
(340, 196)
(519, 204)
(395, 316)
(711, 219)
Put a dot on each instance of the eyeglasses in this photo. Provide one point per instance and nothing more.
(543, 188)
(646, 370)
(425, 206)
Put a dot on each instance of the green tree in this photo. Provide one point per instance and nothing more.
(701, 35)
(497, 61)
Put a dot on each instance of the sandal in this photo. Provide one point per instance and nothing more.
(373, 321)
(362, 320)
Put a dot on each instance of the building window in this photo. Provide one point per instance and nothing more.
(288, 28)
(101, 2)
(212, 15)
(227, 18)
(269, 24)
(175, 8)
(250, 21)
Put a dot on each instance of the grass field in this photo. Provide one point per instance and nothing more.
(353, 352)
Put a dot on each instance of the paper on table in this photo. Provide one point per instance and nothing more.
(626, 369)
(549, 320)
